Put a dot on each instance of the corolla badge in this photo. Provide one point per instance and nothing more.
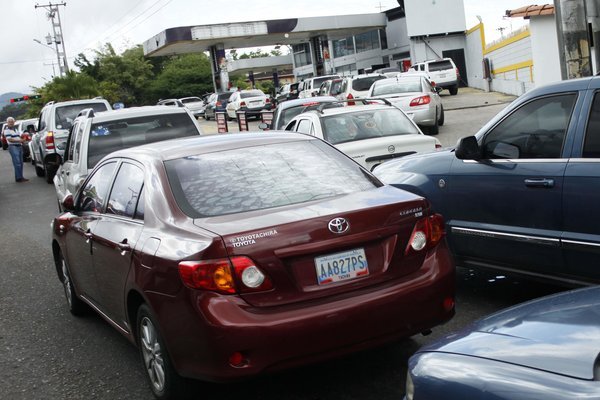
(338, 225)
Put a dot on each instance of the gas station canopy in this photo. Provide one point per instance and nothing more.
(195, 39)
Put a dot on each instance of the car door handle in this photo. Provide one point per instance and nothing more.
(539, 183)
(124, 247)
(89, 235)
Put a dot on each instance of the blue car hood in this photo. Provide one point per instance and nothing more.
(558, 334)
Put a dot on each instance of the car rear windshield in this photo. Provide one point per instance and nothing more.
(224, 96)
(191, 100)
(65, 115)
(289, 113)
(404, 85)
(263, 177)
(365, 83)
(439, 65)
(106, 137)
(252, 93)
(367, 124)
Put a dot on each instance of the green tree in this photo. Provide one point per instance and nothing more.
(185, 75)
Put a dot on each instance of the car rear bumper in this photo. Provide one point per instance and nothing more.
(446, 85)
(424, 116)
(203, 334)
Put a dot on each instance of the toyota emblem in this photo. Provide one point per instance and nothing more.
(391, 149)
(338, 225)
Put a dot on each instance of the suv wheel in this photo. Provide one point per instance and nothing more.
(39, 171)
(50, 172)
(454, 90)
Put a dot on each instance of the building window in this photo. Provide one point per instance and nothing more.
(343, 47)
(383, 38)
(345, 70)
(301, 54)
(367, 41)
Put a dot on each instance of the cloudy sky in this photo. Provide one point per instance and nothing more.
(89, 23)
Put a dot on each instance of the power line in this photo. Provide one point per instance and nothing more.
(163, 6)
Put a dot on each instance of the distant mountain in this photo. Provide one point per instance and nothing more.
(5, 98)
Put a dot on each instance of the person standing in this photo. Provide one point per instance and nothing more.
(15, 148)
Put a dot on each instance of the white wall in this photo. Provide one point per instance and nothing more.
(433, 17)
(474, 58)
(422, 49)
(544, 46)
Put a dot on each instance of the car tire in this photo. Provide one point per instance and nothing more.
(164, 381)
(435, 128)
(50, 172)
(39, 171)
(441, 119)
(206, 117)
(76, 306)
(454, 90)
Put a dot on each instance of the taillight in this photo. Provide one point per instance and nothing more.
(457, 74)
(243, 104)
(438, 146)
(350, 97)
(420, 101)
(267, 100)
(50, 140)
(426, 234)
(218, 275)
(432, 83)
(218, 104)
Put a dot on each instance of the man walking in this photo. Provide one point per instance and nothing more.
(15, 148)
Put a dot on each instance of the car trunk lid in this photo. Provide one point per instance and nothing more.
(296, 246)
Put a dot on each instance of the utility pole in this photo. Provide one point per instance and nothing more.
(58, 39)
(574, 46)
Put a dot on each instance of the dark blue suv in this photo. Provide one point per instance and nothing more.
(521, 194)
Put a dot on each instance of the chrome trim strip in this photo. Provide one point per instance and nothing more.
(112, 322)
(511, 236)
(520, 161)
(590, 244)
(585, 160)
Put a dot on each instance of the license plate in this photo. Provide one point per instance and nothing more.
(341, 266)
(442, 75)
(254, 103)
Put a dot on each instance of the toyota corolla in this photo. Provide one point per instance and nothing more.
(229, 256)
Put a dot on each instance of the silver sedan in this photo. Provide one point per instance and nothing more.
(416, 96)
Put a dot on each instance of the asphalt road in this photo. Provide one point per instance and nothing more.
(45, 353)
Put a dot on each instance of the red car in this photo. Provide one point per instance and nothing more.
(226, 257)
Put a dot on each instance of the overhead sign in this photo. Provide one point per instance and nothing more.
(434, 17)
(229, 30)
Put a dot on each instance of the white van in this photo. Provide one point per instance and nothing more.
(443, 72)
(310, 86)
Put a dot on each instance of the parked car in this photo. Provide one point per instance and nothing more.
(331, 87)
(416, 96)
(289, 109)
(217, 102)
(252, 102)
(369, 134)
(517, 195)
(195, 105)
(55, 121)
(94, 135)
(27, 129)
(228, 256)
(544, 349)
(356, 87)
(170, 103)
(310, 86)
(443, 72)
(287, 92)
(389, 72)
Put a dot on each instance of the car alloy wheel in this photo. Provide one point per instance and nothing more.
(76, 306)
(152, 354)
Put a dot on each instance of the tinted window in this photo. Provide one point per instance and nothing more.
(261, 177)
(78, 139)
(252, 93)
(536, 130)
(365, 83)
(397, 86)
(191, 100)
(106, 137)
(591, 146)
(366, 124)
(93, 195)
(65, 115)
(71, 143)
(126, 191)
(439, 65)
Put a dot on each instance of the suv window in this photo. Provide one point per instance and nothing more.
(440, 65)
(262, 177)
(365, 83)
(43, 119)
(591, 145)
(65, 115)
(126, 191)
(71, 143)
(94, 193)
(535, 130)
(106, 137)
(78, 138)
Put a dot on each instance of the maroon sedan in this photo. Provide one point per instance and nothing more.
(225, 257)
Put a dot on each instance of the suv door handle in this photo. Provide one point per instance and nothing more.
(539, 183)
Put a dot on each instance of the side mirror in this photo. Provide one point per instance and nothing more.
(468, 149)
(437, 89)
(264, 126)
(68, 203)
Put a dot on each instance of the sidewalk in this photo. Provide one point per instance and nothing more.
(472, 98)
